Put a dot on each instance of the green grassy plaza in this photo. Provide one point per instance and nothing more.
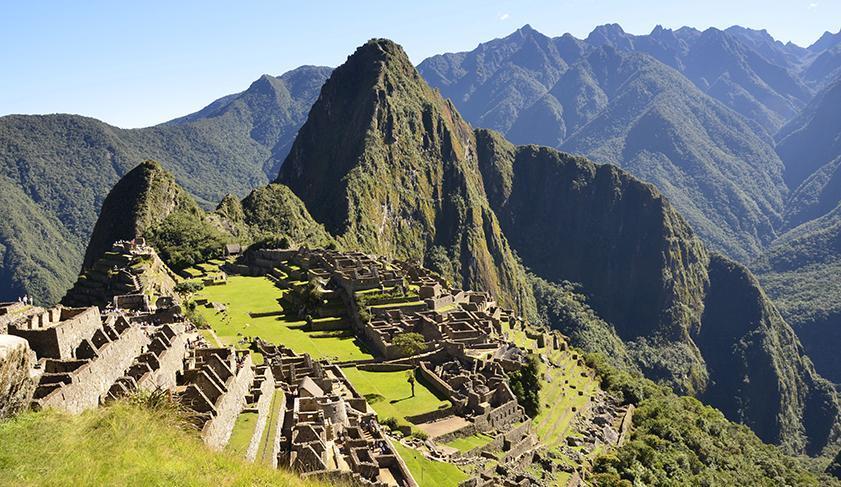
(243, 295)
(470, 442)
(390, 394)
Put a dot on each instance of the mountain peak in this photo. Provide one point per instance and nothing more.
(826, 41)
(142, 198)
(612, 34)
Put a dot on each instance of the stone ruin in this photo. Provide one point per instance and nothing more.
(216, 385)
(82, 354)
(129, 268)
(328, 429)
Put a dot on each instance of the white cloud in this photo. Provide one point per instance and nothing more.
(503, 16)
(813, 5)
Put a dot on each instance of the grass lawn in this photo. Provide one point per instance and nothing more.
(241, 434)
(390, 394)
(243, 295)
(192, 272)
(429, 472)
(470, 442)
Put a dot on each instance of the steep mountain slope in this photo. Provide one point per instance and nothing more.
(62, 167)
(390, 167)
(800, 268)
(702, 156)
(825, 65)
(810, 147)
(708, 160)
(800, 271)
(697, 320)
(142, 199)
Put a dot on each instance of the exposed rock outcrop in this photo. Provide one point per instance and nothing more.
(16, 380)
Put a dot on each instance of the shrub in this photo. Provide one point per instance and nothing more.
(188, 287)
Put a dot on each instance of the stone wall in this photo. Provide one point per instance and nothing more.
(500, 418)
(16, 381)
(431, 415)
(56, 333)
(92, 381)
(217, 431)
(625, 426)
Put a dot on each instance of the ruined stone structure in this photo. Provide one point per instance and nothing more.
(328, 429)
(129, 268)
(215, 385)
(84, 356)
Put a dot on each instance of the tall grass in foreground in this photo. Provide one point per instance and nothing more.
(141, 441)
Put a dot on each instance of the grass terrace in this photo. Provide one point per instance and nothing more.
(429, 473)
(389, 394)
(242, 433)
(559, 399)
(470, 442)
(243, 295)
(264, 451)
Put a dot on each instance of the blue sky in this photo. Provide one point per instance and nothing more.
(135, 64)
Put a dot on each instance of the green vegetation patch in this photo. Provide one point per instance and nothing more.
(559, 398)
(677, 440)
(242, 295)
(470, 442)
(242, 433)
(429, 473)
(390, 394)
(264, 451)
(121, 444)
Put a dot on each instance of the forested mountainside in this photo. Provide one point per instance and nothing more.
(56, 170)
(723, 123)
(388, 166)
(800, 269)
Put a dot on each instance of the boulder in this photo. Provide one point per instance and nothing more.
(17, 383)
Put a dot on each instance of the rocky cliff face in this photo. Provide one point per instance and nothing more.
(390, 167)
(16, 383)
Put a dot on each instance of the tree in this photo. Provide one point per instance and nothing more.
(411, 380)
(409, 343)
(525, 384)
